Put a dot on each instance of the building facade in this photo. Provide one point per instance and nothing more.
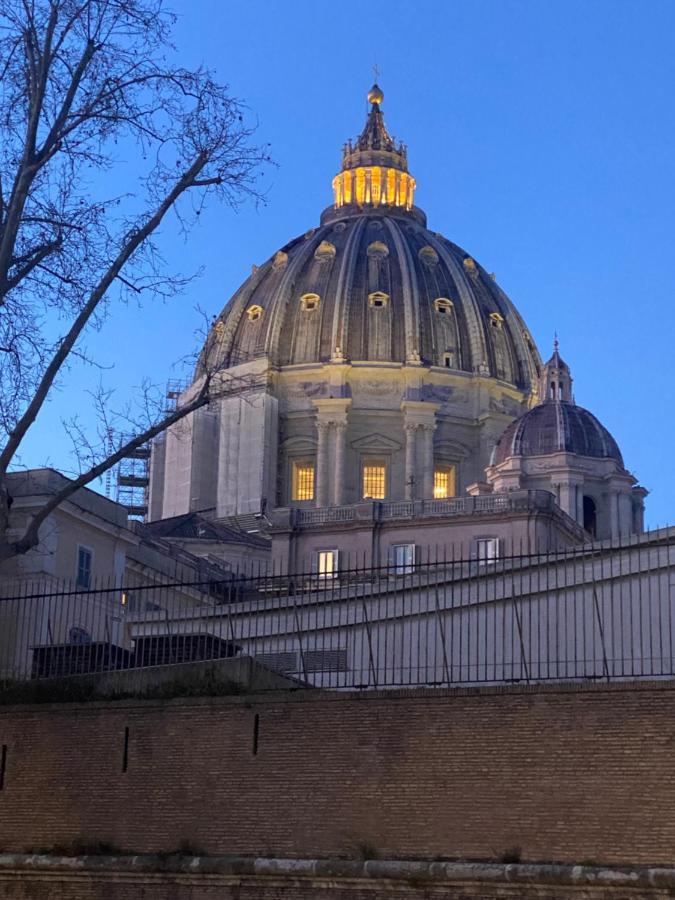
(381, 364)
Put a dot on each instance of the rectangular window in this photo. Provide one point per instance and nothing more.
(374, 479)
(303, 480)
(84, 556)
(327, 563)
(444, 482)
(403, 558)
(487, 550)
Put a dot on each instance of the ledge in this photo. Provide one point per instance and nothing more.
(364, 870)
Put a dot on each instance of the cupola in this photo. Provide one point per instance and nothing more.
(374, 167)
(555, 382)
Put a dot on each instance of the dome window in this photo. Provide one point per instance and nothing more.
(309, 302)
(378, 250)
(325, 251)
(280, 260)
(496, 319)
(378, 299)
(443, 306)
(254, 313)
(428, 255)
(470, 267)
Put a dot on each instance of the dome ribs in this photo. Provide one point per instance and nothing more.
(364, 253)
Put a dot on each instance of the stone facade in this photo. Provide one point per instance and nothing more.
(371, 359)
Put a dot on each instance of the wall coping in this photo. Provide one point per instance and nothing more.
(363, 870)
(318, 695)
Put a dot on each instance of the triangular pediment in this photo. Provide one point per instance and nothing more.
(376, 442)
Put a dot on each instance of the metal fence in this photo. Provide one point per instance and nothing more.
(602, 611)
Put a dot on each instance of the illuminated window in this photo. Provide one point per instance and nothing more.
(303, 480)
(327, 563)
(443, 306)
(496, 320)
(374, 479)
(309, 302)
(487, 550)
(378, 299)
(254, 313)
(444, 482)
(403, 558)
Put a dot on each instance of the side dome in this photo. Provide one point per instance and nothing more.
(553, 427)
(373, 283)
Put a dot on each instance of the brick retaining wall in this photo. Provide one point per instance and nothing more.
(566, 773)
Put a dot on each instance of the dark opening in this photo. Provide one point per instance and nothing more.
(125, 751)
(256, 732)
(590, 516)
(3, 765)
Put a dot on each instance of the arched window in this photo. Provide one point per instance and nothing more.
(443, 305)
(590, 516)
(254, 313)
(496, 319)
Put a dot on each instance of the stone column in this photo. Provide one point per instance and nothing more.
(410, 455)
(340, 452)
(427, 466)
(568, 502)
(322, 478)
(613, 514)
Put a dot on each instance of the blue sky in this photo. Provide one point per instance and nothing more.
(542, 138)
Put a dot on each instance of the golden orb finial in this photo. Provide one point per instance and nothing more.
(375, 95)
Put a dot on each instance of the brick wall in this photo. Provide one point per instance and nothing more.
(565, 773)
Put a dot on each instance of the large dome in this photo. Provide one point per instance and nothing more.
(373, 284)
(553, 427)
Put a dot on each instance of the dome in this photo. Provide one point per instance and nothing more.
(554, 427)
(373, 284)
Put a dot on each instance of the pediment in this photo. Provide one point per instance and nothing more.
(451, 449)
(376, 442)
(299, 444)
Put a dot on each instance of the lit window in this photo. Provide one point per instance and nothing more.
(254, 313)
(327, 563)
(309, 302)
(374, 480)
(303, 480)
(403, 558)
(443, 306)
(444, 482)
(378, 299)
(84, 557)
(487, 550)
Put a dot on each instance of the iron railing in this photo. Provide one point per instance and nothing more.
(601, 611)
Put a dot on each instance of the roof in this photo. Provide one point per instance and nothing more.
(553, 427)
(192, 526)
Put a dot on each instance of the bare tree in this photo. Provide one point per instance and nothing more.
(82, 82)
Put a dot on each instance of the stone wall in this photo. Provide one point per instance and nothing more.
(562, 773)
(153, 878)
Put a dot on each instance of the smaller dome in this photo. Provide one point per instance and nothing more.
(555, 427)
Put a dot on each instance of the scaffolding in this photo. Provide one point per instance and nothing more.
(132, 473)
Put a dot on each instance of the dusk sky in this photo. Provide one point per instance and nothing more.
(542, 138)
